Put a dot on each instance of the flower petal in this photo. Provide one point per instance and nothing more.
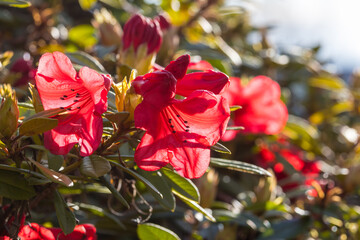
(56, 65)
(179, 67)
(95, 83)
(200, 65)
(157, 88)
(207, 114)
(212, 81)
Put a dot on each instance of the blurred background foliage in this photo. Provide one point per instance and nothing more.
(322, 128)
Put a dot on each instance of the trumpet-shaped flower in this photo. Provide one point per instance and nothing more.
(179, 132)
(84, 97)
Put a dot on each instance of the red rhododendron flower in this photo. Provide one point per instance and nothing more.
(309, 169)
(138, 30)
(179, 132)
(262, 110)
(83, 94)
(200, 65)
(34, 231)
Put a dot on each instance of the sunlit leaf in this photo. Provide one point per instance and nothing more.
(150, 231)
(181, 185)
(94, 166)
(194, 205)
(16, 3)
(52, 175)
(328, 83)
(238, 166)
(37, 125)
(83, 35)
(87, 4)
(220, 148)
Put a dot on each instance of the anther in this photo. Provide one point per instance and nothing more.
(65, 96)
(187, 126)
(185, 141)
(185, 121)
(172, 126)
(72, 90)
(69, 109)
(178, 115)
(78, 107)
(76, 100)
(77, 95)
(169, 120)
(173, 131)
(186, 130)
(62, 108)
(62, 98)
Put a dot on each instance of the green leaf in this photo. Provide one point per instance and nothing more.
(46, 114)
(181, 185)
(114, 192)
(87, 4)
(53, 176)
(15, 3)
(137, 176)
(64, 215)
(117, 117)
(84, 59)
(55, 161)
(238, 166)
(150, 231)
(235, 107)
(101, 213)
(83, 36)
(287, 229)
(220, 148)
(37, 125)
(328, 83)
(156, 178)
(194, 205)
(244, 219)
(94, 166)
(14, 186)
(235, 128)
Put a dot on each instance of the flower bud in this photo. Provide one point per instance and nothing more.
(109, 28)
(9, 112)
(141, 41)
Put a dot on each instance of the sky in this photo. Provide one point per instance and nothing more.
(335, 24)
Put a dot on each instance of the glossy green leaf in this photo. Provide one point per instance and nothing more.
(14, 186)
(220, 148)
(194, 205)
(37, 125)
(238, 166)
(55, 161)
(137, 176)
(150, 231)
(16, 3)
(46, 114)
(114, 192)
(94, 166)
(64, 215)
(83, 36)
(156, 178)
(84, 59)
(52, 175)
(181, 185)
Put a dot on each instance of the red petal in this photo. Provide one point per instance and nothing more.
(95, 83)
(179, 67)
(200, 65)
(90, 136)
(157, 88)
(212, 81)
(56, 65)
(207, 114)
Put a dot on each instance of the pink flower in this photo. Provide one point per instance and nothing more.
(83, 95)
(179, 132)
(138, 30)
(262, 110)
